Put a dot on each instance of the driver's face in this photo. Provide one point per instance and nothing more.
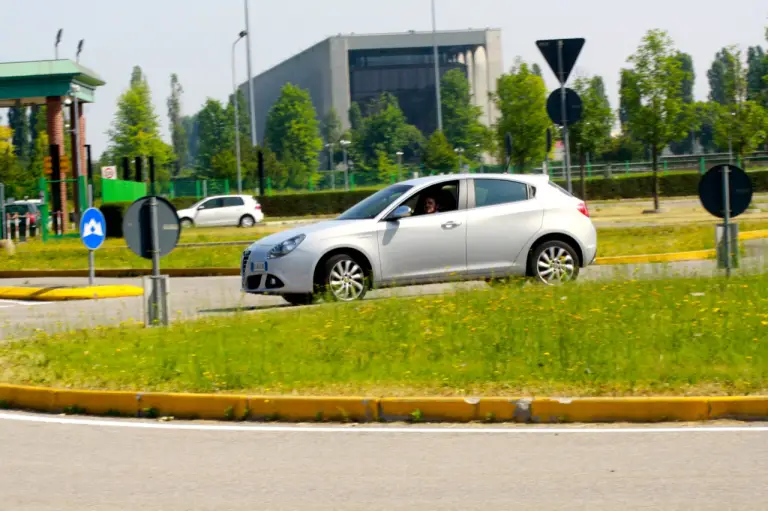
(429, 205)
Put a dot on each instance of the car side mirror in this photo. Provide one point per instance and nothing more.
(201, 207)
(400, 212)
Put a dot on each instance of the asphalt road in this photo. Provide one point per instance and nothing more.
(195, 297)
(67, 467)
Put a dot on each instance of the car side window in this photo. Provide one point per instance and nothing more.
(490, 192)
(444, 196)
(229, 202)
(212, 204)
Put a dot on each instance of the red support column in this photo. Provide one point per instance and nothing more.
(56, 136)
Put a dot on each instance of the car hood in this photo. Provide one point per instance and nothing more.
(326, 229)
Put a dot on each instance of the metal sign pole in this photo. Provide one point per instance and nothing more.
(2, 212)
(560, 74)
(727, 220)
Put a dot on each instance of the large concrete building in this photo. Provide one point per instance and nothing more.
(355, 68)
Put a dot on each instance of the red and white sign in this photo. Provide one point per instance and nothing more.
(109, 172)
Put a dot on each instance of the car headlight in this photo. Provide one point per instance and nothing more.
(286, 247)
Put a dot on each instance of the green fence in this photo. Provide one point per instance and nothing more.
(117, 190)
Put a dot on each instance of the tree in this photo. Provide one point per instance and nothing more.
(743, 127)
(656, 113)
(521, 97)
(216, 136)
(438, 154)
(757, 69)
(592, 134)
(38, 123)
(178, 135)
(135, 129)
(18, 121)
(536, 69)
(9, 171)
(725, 68)
(385, 130)
(330, 128)
(686, 145)
(293, 133)
(355, 117)
(461, 118)
(192, 130)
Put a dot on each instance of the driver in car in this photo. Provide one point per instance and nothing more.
(430, 205)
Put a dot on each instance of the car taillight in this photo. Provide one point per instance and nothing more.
(258, 206)
(582, 207)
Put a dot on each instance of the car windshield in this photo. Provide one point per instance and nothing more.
(372, 206)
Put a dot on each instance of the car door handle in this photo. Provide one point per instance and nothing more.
(450, 225)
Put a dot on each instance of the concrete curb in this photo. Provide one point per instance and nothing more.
(372, 409)
(52, 294)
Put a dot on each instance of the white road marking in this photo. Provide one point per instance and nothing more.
(126, 423)
(20, 302)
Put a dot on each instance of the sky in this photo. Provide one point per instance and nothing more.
(193, 38)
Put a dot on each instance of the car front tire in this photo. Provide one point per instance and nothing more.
(345, 279)
(554, 262)
(186, 223)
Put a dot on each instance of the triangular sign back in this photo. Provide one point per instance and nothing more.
(571, 50)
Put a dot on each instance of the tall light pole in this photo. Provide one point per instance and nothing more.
(399, 165)
(58, 40)
(79, 50)
(437, 70)
(242, 34)
(344, 144)
(459, 151)
(329, 146)
(251, 99)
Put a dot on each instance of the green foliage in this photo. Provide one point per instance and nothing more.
(38, 123)
(656, 113)
(743, 125)
(521, 97)
(592, 134)
(439, 155)
(385, 129)
(685, 146)
(757, 68)
(18, 120)
(387, 169)
(330, 128)
(135, 130)
(355, 117)
(461, 118)
(178, 134)
(293, 133)
(216, 136)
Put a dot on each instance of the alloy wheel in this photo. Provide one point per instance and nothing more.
(555, 265)
(347, 280)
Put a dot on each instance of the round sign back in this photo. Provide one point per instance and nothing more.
(573, 107)
(711, 190)
(137, 227)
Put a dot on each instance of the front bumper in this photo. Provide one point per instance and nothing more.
(292, 273)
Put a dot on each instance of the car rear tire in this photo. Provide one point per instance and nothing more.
(247, 221)
(554, 262)
(186, 223)
(345, 279)
(299, 298)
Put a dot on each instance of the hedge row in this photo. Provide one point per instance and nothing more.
(330, 203)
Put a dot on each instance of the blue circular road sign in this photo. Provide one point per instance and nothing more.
(93, 228)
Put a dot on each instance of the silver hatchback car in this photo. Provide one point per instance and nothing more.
(426, 230)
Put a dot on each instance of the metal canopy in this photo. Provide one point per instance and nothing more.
(31, 82)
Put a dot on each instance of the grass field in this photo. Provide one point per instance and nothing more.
(69, 253)
(682, 337)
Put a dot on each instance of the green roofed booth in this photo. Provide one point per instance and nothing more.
(49, 83)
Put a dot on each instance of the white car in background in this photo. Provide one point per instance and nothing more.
(222, 211)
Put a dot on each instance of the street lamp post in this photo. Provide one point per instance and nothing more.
(399, 165)
(58, 40)
(344, 144)
(242, 34)
(437, 70)
(251, 99)
(329, 146)
(459, 151)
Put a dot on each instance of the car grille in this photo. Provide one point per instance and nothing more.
(244, 264)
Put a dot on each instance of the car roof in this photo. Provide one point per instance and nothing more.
(524, 178)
